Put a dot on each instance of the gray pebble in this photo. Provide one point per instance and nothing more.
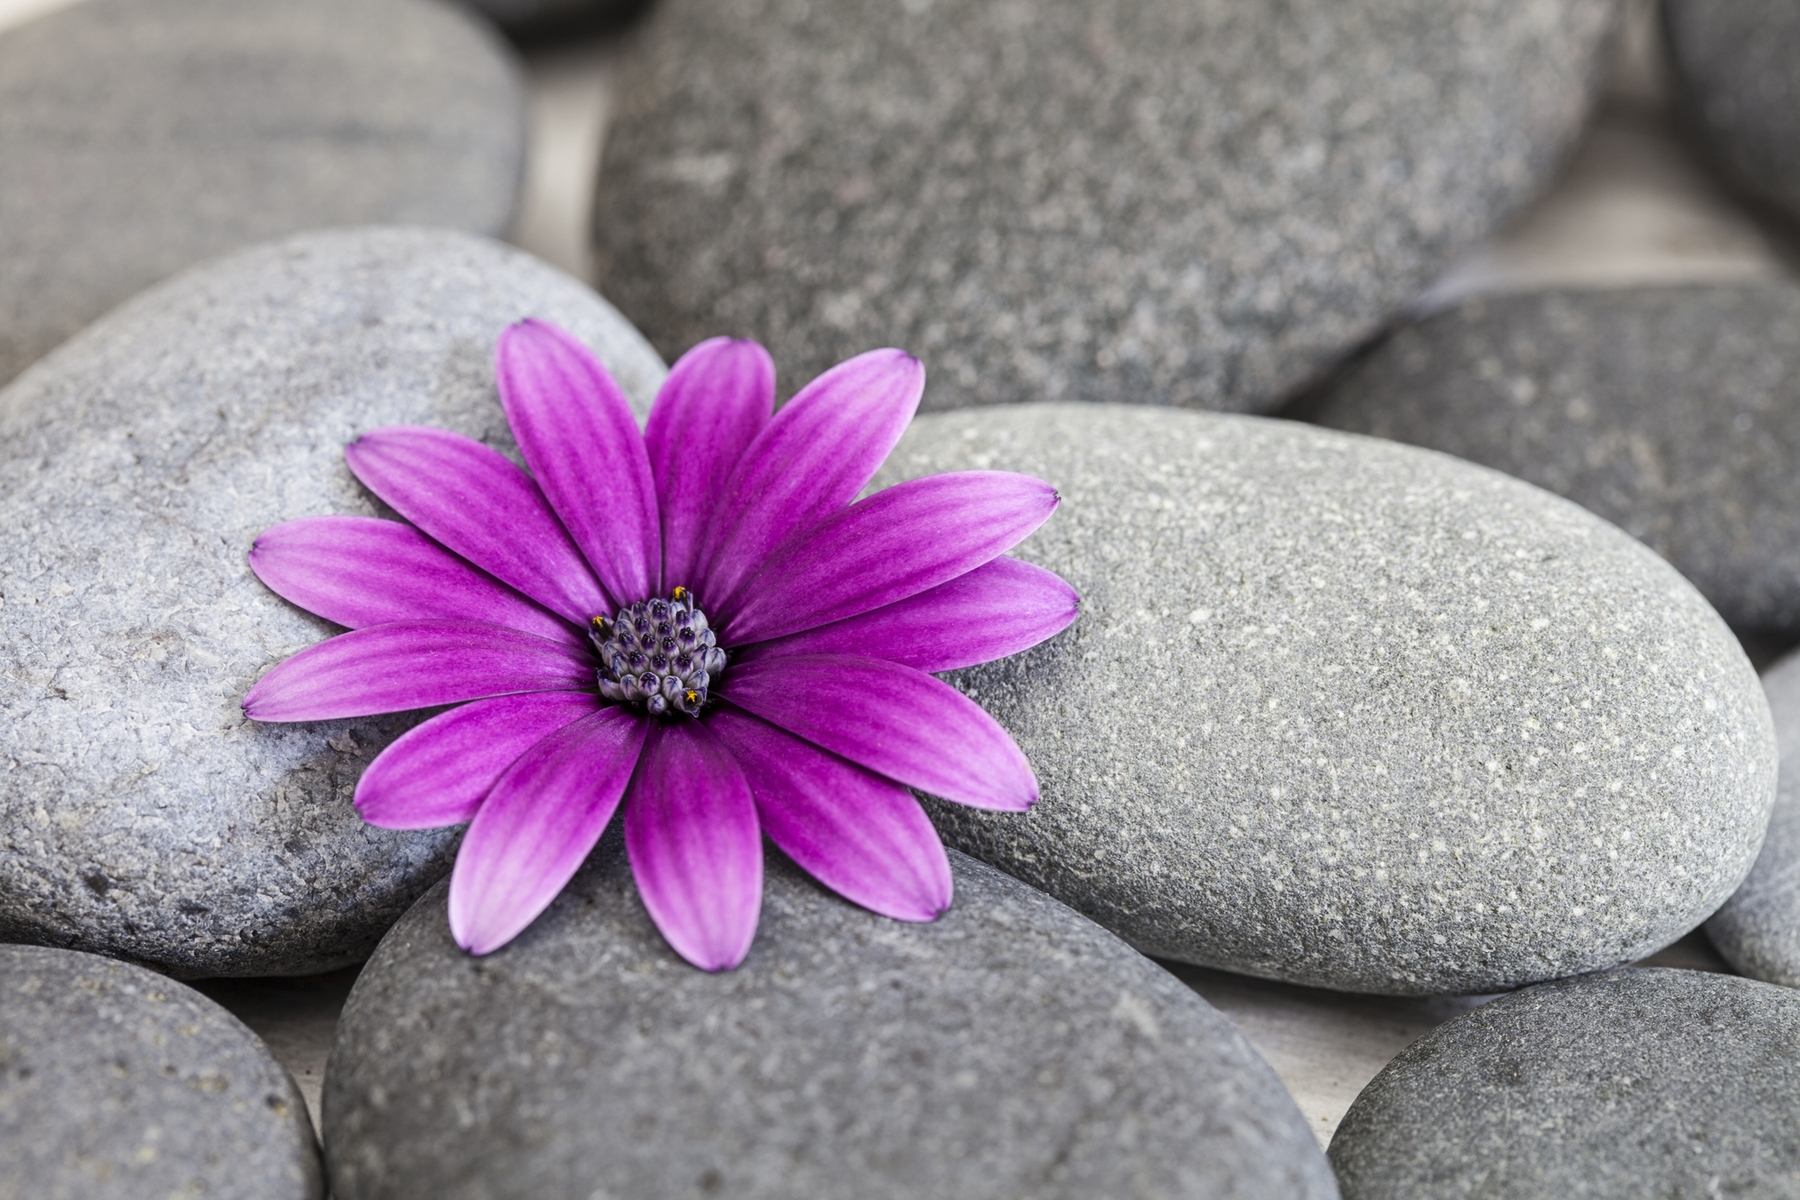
(1195, 202)
(1011, 1048)
(140, 814)
(1673, 412)
(139, 137)
(1737, 70)
(119, 1084)
(1680, 1085)
(1758, 929)
(1356, 715)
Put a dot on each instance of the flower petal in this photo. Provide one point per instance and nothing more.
(537, 825)
(695, 846)
(362, 571)
(575, 429)
(414, 664)
(999, 608)
(862, 836)
(438, 773)
(895, 544)
(818, 453)
(717, 399)
(891, 719)
(477, 503)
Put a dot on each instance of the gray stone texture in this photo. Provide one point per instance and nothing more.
(1737, 70)
(119, 1084)
(1679, 1085)
(141, 815)
(1193, 202)
(1672, 412)
(1758, 929)
(139, 137)
(1356, 715)
(1010, 1049)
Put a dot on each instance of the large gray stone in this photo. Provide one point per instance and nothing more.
(1673, 412)
(1621, 1086)
(1758, 929)
(1010, 1049)
(1737, 68)
(119, 1084)
(1356, 715)
(140, 814)
(138, 137)
(1197, 202)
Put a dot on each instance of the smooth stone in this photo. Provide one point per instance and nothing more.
(1758, 929)
(1011, 1048)
(1736, 65)
(1672, 412)
(1355, 715)
(1629, 1084)
(142, 136)
(141, 815)
(1193, 202)
(119, 1084)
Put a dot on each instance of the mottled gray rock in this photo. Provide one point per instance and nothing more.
(139, 137)
(1197, 202)
(140, 814)
(1737, 70)
(1619, 1086)
(1010, 1049)
(1356, 715)
(1673, 412)
(119, 1084)
(1758, 929)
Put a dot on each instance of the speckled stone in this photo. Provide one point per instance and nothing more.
(1356, 715)
(119, 1084)
(1012, 1048)
(1758, 929)
(139, 137)
(1673, 412)
(1737, 70)
(1195, 202)
(140, 814)
(1619, 1086)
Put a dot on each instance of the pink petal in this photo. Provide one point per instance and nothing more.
(717, 399)
(438, 773)
(860, 835)
(476, 503)
(414, 664)
(895, 544)
(891, 719)
(362, 571)
(537, 825)
(694, 844)
(999, 608)
(818, 453)
(575, 429)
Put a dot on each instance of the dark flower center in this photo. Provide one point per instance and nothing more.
(658, 655)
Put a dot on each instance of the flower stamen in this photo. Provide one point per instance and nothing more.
(659, 656)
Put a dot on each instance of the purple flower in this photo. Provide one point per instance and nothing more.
(700, 622)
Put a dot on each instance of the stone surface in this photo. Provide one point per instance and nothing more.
(118, 1083)
(142, 136)
(1673, 412)
(1356, 715)
(140, 814)
(1737, 67)
(1197, 203)
(1010, 1049)
(1628, 1084)
(1758, 929)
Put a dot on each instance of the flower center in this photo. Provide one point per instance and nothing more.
(658, 655)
